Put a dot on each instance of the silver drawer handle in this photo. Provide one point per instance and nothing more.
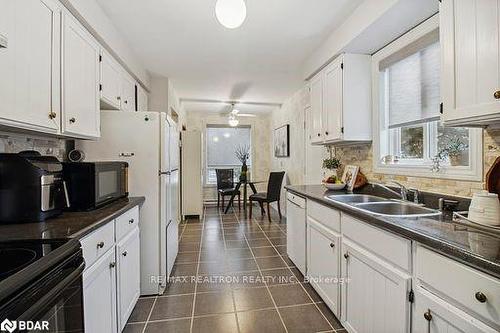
(100, 245)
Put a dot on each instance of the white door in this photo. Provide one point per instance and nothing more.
(375, 295)
(128, 277)
(110, 82)
(80, 80)
(470, 47)
(332, 101)
(434, 315)
(127, 93)
(316, 86)
(313, 171)
(323, 263)
(296, 232)
(29, 76)
(99, 295)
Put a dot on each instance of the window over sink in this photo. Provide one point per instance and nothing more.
(409, 138)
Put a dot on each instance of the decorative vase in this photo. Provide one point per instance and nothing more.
(244, 169)
(455, 160)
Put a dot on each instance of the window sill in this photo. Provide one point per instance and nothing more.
(452, 173)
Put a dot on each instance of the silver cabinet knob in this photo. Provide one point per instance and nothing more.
(480, 297)
(346, 255)
(100, 245)
(52, 115)
(497, 94)
(124, 253)
(332, 245)
(112, 264)
(72, 120)
(428, 315)
(131, 221)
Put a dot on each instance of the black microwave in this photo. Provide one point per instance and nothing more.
(94, 184)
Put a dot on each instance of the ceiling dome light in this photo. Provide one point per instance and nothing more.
(231, 13)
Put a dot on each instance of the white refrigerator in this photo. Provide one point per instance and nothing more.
(149, 142)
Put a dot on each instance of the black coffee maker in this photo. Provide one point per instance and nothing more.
(31, 187)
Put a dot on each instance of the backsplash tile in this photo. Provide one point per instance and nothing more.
(362, 155)
(14, 143)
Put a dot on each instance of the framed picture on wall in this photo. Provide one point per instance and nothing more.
(282, 141)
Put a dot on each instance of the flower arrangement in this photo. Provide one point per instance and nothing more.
(242, 153)
(451, 147)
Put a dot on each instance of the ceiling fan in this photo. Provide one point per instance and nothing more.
(233, 115)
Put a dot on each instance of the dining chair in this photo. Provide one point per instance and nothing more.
(273, 194)
(225, 186)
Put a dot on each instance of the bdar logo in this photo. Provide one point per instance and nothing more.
(8, 325)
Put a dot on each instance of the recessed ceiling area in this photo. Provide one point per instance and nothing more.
(259, 61)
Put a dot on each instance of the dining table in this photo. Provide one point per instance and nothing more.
(245, 183)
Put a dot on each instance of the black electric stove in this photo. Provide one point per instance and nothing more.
(41, 284)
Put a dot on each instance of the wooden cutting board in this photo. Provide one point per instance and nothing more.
(493, 178)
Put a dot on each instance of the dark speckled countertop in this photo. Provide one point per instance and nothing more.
(68, 224)
(468, 246)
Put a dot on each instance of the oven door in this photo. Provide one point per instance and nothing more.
(110, 182)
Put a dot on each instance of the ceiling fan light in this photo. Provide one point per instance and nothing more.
(231, 13)
(233, 122)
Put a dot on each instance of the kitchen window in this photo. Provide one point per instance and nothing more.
(221, 143)
(409, 138)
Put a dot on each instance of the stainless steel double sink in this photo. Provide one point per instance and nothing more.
(383, 207)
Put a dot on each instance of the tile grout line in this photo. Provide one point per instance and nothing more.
(303, 288)
(262, 275)
(149, 315)
(231, 290)
(197, 269)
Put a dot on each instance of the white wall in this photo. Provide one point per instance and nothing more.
(98, 23)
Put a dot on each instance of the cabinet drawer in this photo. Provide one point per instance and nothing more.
(297, 200)
(460, 283)
(97, 243)
(127, 222)
(391, 248)
(327, 216)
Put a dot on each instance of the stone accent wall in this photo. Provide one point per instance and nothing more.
(14, 143)
(362, 155)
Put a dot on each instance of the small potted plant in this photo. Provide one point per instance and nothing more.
(451, 147)
(333, 182)
(243, 154)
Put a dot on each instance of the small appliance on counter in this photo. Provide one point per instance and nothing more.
(94, 184)
(32, 188)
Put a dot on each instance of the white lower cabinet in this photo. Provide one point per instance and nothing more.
(434, 315)
(99, 294)
(111, 280)
(375, 295)
(128, 275)
(323, 266)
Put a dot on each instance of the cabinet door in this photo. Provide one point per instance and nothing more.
(99, 295)
(332, 101)
(128, 275)
(296, 235)
(80, 81)
(470, 46)
(434, 315)
(127, 93)
(29, 79)
(316, 87)
(323, 264)
(375, 295)
(110, 83)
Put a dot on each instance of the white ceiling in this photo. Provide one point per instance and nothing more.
(259, 62)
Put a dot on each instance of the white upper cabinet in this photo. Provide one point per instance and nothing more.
(127, 93)
(341, 101)
(110, 82)
(80, 81)
(29, 80)
(470, 45)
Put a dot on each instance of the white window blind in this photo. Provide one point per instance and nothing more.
(411, 80)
